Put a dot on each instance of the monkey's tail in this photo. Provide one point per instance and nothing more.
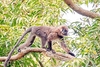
(9, 55)
(27, 31)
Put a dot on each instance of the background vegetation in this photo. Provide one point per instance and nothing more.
(17, 15)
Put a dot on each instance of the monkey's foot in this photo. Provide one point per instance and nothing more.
(71, 54)
(44, 47)
(51, 50)
(19, 50)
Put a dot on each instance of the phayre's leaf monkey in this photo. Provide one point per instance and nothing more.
(47, 34)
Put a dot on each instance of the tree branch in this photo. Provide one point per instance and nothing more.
(81, 10)
(23, 52)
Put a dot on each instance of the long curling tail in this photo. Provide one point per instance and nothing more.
(9, 55)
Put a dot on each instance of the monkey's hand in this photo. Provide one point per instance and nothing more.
(71, 54)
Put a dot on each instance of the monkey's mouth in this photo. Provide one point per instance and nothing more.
(65, 34)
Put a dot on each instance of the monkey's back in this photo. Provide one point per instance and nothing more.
(42, 31)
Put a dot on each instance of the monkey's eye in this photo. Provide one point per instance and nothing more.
(64, 31)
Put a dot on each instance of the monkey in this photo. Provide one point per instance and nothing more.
(46, 34)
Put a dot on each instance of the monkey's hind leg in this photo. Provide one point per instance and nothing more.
(43, 41)
(28, 43)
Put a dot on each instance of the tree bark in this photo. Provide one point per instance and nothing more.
(57, 55)
(81, 10)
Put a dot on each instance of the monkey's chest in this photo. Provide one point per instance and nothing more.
(53, 36)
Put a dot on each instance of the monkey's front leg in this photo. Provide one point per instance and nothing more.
(50, 46)
(63, 45)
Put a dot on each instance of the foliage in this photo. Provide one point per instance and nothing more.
(17, 15)
(87, 43)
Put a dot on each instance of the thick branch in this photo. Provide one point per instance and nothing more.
(23, 52)
(80, 10)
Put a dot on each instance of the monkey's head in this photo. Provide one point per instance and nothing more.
(63, 30)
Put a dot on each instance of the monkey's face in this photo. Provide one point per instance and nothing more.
(64, 30)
